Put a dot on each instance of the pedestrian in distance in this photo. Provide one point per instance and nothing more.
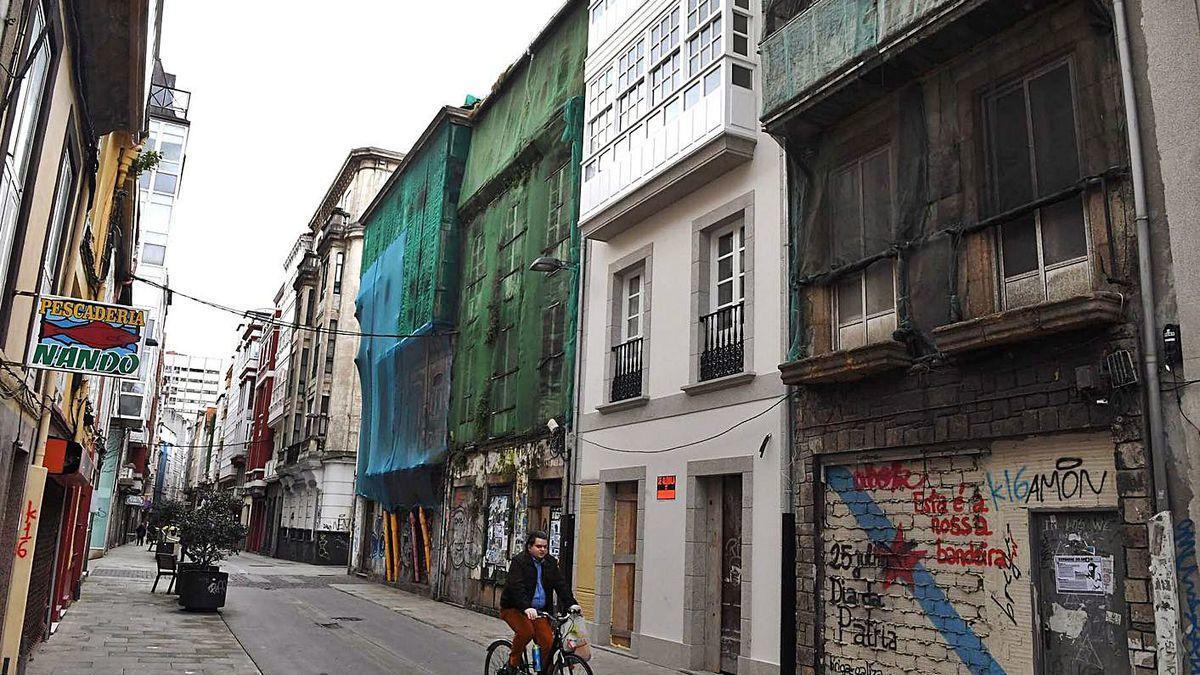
(141, 534)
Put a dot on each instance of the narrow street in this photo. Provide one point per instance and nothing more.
(281, 617)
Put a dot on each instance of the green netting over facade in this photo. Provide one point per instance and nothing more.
(409, 279)
(520, 197)
(422, 203)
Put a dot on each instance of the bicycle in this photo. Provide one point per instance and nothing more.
(561, 662)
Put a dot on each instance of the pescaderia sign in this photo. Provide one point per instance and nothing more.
(83, 336)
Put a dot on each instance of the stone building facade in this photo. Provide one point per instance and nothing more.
(969, 474)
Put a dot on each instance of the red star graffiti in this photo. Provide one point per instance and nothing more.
(898, 558)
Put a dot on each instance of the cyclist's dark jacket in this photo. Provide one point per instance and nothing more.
(522, 575)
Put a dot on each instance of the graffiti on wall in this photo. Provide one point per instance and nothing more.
(378, 550)
(1069, 480)
(902, 564)
(1187, 571)
(935, 545)
(459, 527)
(26, 530)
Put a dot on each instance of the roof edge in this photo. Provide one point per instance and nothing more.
(511, 72)
(332, 195)
(449, 113)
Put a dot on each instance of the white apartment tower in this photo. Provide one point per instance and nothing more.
(681, 458)
(190, 384)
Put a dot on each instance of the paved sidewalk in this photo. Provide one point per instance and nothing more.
(481, 628)
(118, 628)
(280, 617)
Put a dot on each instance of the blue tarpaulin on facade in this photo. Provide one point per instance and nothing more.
(405, 392)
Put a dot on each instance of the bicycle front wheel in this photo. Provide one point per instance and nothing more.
(573, 665)
(497, 657)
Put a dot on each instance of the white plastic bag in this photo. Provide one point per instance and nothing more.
(575, 638)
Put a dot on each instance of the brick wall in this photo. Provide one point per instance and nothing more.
(954, 429)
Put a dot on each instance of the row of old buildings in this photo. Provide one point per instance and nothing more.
(833, 336)
(93, 132)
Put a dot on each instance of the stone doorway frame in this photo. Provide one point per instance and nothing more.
(698, 596)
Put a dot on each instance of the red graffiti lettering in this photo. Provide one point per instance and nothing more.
(975, 554)
(30, 516)
(930, 503)
(961, 526)
(890, 477)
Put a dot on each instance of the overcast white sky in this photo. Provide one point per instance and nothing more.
(281, 91)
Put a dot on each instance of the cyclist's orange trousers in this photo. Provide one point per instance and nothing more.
(525, 630)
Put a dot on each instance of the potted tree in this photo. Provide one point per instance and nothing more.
(164, 518)
(210, 533)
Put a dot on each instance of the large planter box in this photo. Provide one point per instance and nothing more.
(202, 590)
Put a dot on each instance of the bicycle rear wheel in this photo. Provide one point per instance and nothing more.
(497, 657)
(573, 665)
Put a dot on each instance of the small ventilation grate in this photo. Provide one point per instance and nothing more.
(1121, 370)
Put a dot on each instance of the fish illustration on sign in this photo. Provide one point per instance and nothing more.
(84, 336)
(96, 334)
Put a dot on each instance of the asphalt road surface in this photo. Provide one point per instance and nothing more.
(325, 631)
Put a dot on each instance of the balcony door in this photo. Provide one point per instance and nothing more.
(723, 352)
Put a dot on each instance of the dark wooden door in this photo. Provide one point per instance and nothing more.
(1080, 593)
(624, 562)
(731, 572)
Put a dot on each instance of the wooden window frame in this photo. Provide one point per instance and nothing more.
(1043, 271)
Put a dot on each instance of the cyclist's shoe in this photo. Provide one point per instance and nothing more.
(508, 670)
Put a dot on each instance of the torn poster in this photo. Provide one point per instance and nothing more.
(1083, 574)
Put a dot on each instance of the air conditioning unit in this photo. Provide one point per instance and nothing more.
(130, 411)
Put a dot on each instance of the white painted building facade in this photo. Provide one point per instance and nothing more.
(190, 384)
(682, 328)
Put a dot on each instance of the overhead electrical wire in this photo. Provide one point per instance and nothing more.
(259, 315)
(273, 321)
(689, 444)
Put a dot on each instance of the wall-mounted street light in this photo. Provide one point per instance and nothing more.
(547, 265)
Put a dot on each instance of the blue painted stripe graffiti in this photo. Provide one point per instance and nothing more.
(957, 633)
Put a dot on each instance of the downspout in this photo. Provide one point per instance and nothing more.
(1158, 444)
(574, 134)
(1160, 528)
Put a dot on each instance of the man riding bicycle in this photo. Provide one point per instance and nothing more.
(533, 577)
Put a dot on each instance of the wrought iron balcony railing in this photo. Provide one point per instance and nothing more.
(168, 101)
(723, 350)
(627, 370)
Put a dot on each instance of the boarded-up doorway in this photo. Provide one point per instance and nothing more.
(625, 538)
(723, 528)
(461, 546)
(1080, 593)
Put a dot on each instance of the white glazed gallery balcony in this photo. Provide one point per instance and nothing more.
(639, 158)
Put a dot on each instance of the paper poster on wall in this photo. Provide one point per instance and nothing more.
(497, 539)
(555, 531)
(1083, 574)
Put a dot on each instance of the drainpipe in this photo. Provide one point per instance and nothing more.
(1158, 444)
(1161, 529)
(573, 133)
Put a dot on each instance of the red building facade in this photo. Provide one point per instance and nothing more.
(262, 444)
